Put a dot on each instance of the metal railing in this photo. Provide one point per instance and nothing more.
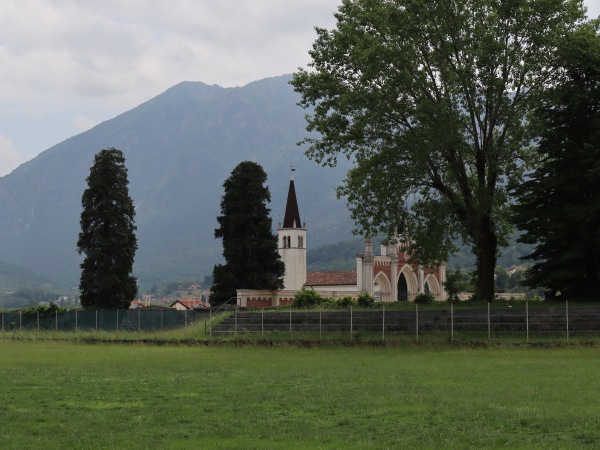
(494, 321)
(218, 314)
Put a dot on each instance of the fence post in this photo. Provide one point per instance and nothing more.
(56, 319)
(350, 322)
(290, 322)
(417, 320)
(76, 321)
(383, 323)
(567, 314)
(210, 319)
(20, 321)
(489, 323)
(262, 322)
(117, 320)
(140, 320)
(527, 318)
(452, 322)
(2, 322)
(96, 320)
(320, 320)
(236, 330)
(38, 322)
(185, 317)
(161, 319)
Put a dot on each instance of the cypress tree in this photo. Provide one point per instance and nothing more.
(249, 245)
(559, 206)
(107, 236)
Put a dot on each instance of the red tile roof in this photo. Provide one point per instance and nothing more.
(190, 304)
(331, 278)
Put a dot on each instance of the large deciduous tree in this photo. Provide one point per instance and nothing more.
(429, 99)
(249, 245)
(107, 236)
(559, 205)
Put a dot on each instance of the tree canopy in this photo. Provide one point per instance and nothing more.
(429, 99)
(249, 245)
(559, 204)
(107, 236)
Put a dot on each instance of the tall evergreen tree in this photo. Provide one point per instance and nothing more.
(249, 245)
(107, 236)
(559, 206)
(428, 98)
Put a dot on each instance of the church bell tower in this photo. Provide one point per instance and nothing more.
(292, 243)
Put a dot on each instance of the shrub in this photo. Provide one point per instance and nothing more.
(424, 299)
(344, 302)
(307, 299)
(365, 300)
(455, 284)
(44, 311)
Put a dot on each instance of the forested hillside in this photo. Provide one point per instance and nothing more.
(180, 147)
(342, 255)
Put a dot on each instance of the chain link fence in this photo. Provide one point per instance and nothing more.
(105, 320)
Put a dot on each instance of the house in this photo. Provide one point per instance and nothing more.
(187, 304)
(137, 304)
(389, 276)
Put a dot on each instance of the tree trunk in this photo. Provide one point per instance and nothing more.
(486, 261)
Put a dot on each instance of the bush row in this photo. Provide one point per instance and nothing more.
(310, 299)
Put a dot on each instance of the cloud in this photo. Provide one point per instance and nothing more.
(9, 156)
(125, 52)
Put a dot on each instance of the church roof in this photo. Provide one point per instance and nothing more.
(292, 214)
(331, 278)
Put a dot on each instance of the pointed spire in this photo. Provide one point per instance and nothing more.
(291, 219)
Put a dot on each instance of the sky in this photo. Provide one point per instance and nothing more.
(68, 65)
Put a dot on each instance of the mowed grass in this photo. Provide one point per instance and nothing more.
(72, 395)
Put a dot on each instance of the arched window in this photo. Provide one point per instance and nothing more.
(402, 288)
(300, 242)
(289, 242)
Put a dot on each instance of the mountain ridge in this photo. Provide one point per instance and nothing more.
(180, 146)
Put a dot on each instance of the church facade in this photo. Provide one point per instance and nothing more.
(387, 277)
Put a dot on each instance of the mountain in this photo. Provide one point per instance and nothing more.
(180, 147)
(13, 277)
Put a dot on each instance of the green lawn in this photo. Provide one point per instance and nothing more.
(70, 395)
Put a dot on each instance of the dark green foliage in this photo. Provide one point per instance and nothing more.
(424, 299)
(456, 282)
(308, 299)
(559, 206)
(344, 302)
(502, 279)
(107, 236)
(428, 97)
(27, 297)
(43, 310)
(365, 300)
(249, 245)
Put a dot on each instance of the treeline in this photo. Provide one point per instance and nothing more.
(342, 255)
(28, 297)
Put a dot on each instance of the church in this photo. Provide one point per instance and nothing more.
(387, 277)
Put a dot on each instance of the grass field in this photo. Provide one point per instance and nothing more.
(72, 395)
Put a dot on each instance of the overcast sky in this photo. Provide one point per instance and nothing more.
(67, 65)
